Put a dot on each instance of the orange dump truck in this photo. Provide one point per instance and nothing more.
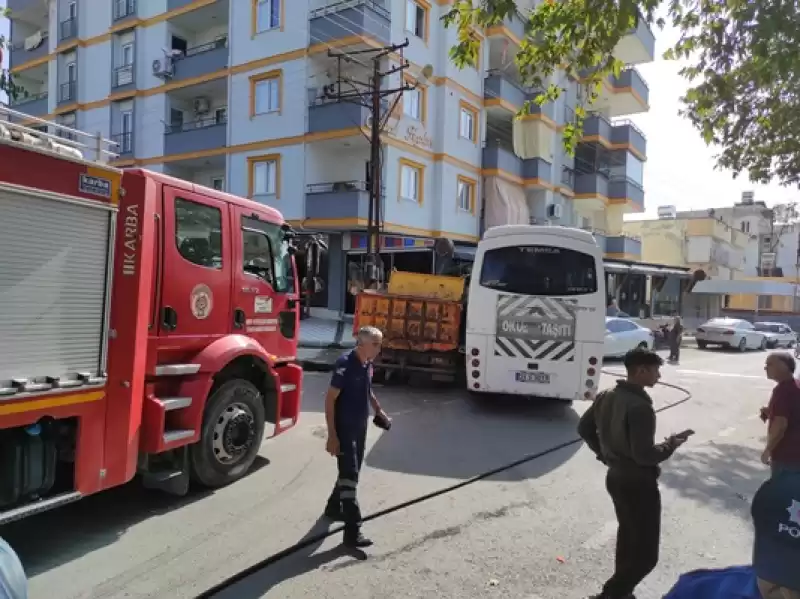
(421, 320)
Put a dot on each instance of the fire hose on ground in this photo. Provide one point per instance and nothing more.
(318, 538)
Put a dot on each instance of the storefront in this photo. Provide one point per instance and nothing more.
(646, 290)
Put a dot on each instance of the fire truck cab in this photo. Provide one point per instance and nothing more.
(147, 325)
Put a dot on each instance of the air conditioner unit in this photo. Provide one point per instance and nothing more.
(162, 68)
(201, 105)
(554, 211)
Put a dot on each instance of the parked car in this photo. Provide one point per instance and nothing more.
(623, 335)
(777, 334)
(730, 332)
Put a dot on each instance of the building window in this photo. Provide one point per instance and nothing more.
(745, 226)
(126, 124)
(265, 93)
(197, 231)
(266, 15)
(413, 103)
(218, 183)
(468, 122)
(265, 176)
(466, 194)
(127, 54)
(417, 18)
(412, 181)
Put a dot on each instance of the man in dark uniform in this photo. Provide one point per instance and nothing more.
(619, 427)
(347, 414)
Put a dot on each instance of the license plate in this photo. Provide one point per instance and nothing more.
(541, 378)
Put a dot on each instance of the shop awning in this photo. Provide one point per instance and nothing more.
(727, 287)
(645, 269)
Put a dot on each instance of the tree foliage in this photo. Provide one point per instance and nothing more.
(743, 61)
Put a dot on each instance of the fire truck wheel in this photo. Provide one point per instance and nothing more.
(233, 426)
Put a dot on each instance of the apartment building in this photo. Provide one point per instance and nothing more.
(229, 94)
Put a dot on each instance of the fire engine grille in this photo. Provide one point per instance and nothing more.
(53, 275)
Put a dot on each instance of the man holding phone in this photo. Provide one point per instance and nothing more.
(620, 429)
(782, 451)
(347, 404)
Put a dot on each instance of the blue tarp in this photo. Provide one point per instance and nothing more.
(738, 582)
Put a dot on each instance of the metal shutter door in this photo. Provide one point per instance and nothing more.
(52, 286)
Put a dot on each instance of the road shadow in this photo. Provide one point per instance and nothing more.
(57, 537)
(451, 435)
(304, 561)
(721, 475)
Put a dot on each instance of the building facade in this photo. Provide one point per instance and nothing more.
(229, 94)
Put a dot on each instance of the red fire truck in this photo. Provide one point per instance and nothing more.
(147, 325)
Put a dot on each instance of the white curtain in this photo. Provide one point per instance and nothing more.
(505, 203)
(525, 135)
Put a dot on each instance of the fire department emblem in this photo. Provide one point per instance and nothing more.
(201, 301)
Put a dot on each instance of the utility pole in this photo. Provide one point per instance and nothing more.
(370, 94)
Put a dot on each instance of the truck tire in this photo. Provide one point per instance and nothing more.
(233, 427)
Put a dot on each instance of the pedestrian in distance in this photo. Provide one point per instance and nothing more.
(347, 405)
(675, 339)
(619, 427)
(782, 451)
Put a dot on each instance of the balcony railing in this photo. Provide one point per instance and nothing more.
(67, 92)
(123, 75)
(628, 123)
(222, 42)
(568, 177)
(68, 29)
(24, 98)
(124, 8)
(124, 142)
(196, 124)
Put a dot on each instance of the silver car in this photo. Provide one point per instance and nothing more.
(778, 334)
(730, 332)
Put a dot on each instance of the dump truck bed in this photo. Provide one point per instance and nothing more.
(417, 312)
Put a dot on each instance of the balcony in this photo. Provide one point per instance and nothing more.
(325, 116)
(348, 18)
(639, 46)
(628, 192)
(600, 237)
(624, 134)
(537, 172)
(622, 244)
(567, 178)
(591, 189)
(196, 136)
(32, 104)
(596, 129)
(124, 143)
(124, 10)
(68, 29)
(176, 4)
(21, 55)
(22, 6)
(123, 78)
(201, 60)
(626, 94)
(501, 94)
(337, 200)
(67, 93)
(513, 28)
(499, 155)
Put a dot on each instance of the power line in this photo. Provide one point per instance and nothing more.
(370, 95)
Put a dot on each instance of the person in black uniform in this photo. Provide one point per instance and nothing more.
(619, 428)
(347, 414)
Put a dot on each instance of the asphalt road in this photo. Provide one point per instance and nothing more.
(543, 530)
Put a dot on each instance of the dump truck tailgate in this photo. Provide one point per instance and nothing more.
(409, 322)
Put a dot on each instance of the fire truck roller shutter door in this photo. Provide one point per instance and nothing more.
(53, 274)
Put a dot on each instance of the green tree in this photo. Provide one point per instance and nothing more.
(6, 80)
(742, 56)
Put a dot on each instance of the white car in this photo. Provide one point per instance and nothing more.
(623, 335)
(777, 334)
(730, 332)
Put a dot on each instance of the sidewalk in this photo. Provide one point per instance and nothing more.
(322, 341)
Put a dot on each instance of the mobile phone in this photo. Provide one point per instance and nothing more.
(684, 434)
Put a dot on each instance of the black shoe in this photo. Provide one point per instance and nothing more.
(357, 542)
(335, 514)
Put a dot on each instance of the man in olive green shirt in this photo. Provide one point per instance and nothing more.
(620, 429)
